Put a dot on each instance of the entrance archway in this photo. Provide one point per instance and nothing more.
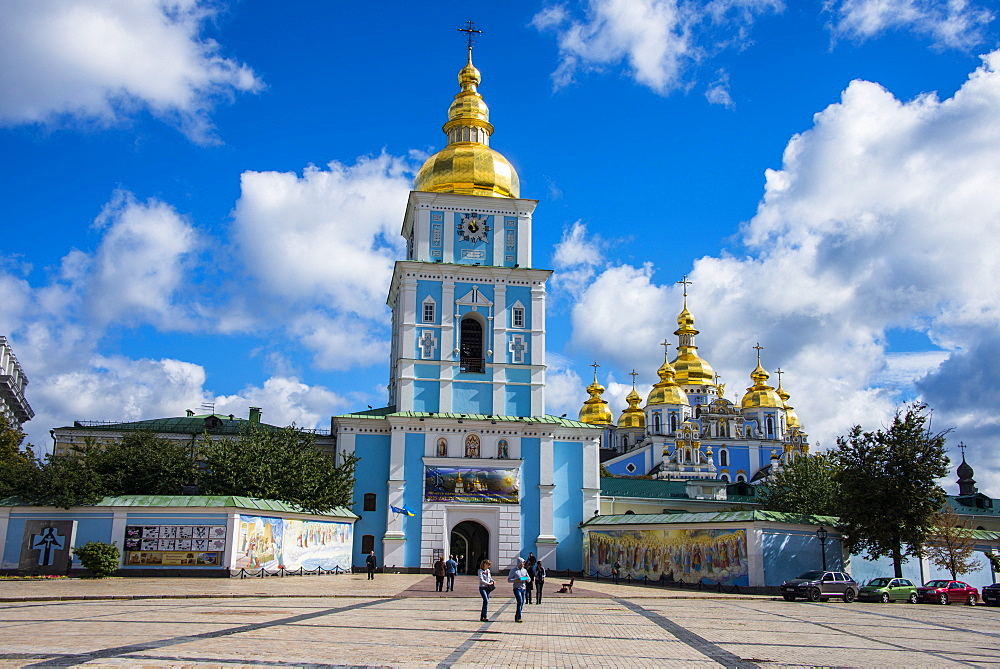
(472, 540)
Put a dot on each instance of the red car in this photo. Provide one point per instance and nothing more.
(946, 592)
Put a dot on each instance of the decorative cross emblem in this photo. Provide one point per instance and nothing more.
(517, 348)
(428, 342)
(47, 543)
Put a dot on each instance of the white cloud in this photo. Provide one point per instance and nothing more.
(140, 264)
(717, 92)
(328, 237)
(949, 23)
(285, 400)
(882, 216)
(100, 60)
(659, 40)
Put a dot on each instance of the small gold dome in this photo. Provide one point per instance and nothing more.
(633, 416)
(761, 395)
(468, 165)
(667, 391)
(596, 410)
(791, 418)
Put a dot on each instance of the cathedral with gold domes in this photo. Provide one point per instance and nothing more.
(688, 429)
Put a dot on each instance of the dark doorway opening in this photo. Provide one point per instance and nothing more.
(472, 540)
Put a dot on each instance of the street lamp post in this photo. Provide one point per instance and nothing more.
(821, 534)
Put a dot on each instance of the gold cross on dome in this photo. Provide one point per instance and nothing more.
(633, 374)
(595, 366)
(470, 30)
(779, 373)
(759, 349)
(686, 283)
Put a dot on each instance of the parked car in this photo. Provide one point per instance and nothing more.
(946, 592)
(887, 589)
(991, 595)
(819, 586)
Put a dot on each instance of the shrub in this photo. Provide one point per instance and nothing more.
(101, 559)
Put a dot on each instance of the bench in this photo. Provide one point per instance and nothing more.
(568, 587)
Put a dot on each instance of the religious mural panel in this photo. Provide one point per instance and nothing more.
(274, 543)
(470, 485)
(688, 556)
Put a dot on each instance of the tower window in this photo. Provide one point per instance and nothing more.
(472, 346)
(430, 311)
(673, 423)
(367, 543)
(517, 317)
(723, 458)
(369, 504)
(656, 422)
(770, 426)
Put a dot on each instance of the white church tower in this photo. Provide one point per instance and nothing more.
(463, 459)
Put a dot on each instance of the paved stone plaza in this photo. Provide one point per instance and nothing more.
(398, 620)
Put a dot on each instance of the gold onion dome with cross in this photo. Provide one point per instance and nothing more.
(467, 165)
(761, 395)
(666, 391)
(596, 410)
(633, 416)
(791, 418)
(691, 369)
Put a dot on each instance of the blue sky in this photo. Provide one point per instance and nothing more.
(203, 199)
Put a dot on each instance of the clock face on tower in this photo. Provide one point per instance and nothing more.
(473, 228)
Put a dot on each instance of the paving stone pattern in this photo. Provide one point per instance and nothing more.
(401, 622)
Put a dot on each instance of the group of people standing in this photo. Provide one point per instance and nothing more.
(526, 577)
(445, 569)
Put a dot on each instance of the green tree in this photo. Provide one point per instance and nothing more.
(889, 496)
(951, 546)
(16, 464)
(278, 464)
(142, 463)
(805, 485)
(63, 480)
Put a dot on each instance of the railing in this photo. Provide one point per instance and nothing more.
(473, 365)
(281, 571)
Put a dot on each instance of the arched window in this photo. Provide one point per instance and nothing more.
(503, 449)
(472, 446)
(740, 478)
(723, 458)
(725, 477)
(369, 504)
(442, 448)
(471, 336)
(624, 442)
(770, 426)
(673, 423)
(656, 422)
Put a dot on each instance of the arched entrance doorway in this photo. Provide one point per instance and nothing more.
(472, 540)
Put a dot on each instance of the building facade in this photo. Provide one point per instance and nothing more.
(464, 459)
(13, 405)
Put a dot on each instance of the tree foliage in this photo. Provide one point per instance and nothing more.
(806, 485)
(142, 463)
(951, 546)
(15, 464)
(278, 464)
(889, 496)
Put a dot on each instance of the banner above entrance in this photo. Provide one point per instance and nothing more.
(470, 485)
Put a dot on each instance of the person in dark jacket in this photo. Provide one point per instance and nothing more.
(539, 581)
(439, 573)
(371, 562)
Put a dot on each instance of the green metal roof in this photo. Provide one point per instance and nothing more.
(202, 501)
(385, 412)
(193, 425)
(642, 488)
(955, 502)
(712, 517)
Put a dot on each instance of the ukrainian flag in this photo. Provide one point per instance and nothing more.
(406, 511)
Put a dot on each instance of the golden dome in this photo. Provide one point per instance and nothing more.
(691, 369)
(761, 395)
(667, 391)
(467, 164)
(791, 418)
(596, 410)
(633, 416)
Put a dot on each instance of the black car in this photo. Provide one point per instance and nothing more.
(991, 595)
(819, 586)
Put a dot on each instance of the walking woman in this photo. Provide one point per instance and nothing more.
(519, 577)
(486, 586)
(539, 581)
